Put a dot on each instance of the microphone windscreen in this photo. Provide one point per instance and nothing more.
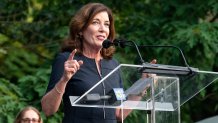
(106, 43)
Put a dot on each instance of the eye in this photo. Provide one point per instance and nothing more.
(107, 25)
(27, 120)
(95, 22)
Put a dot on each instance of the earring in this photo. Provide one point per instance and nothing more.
(79, 35)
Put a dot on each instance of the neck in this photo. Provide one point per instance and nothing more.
(93, 54)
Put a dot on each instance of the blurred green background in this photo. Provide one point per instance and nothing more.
(31, 32)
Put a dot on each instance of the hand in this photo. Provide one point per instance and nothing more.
(71, 66)
(154, 61)
(147, 75)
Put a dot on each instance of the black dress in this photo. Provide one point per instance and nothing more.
(83, 80)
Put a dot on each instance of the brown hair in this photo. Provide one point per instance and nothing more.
(23, 111)
(81, 21)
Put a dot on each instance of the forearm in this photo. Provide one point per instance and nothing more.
(122, 114)
(52, 100)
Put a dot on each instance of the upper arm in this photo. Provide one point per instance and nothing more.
(56, 71)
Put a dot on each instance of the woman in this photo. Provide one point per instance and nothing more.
(81, 64)
(28, 115)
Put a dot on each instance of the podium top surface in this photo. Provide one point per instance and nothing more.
(188, 86)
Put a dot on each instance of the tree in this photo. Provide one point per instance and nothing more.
(31, 31)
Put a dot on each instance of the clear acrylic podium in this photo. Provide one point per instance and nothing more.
(157, 98)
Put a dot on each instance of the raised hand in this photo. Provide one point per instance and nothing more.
(71, 66)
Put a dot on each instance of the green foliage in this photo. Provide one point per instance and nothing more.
(11, 97)
(31, 31)
(198, 40)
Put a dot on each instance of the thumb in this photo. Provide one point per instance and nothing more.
(80, 62)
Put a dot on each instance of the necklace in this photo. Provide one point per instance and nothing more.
(98, 67)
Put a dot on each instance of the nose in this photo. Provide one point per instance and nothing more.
(102, 28)
(32, 121)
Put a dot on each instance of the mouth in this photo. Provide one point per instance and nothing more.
(101, 38)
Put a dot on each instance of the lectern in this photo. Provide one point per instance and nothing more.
(158, 97)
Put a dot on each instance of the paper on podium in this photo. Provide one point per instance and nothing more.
(138, 86)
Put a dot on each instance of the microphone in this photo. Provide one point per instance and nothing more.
(96, 97)
(169, 69)
(122, 43)
(114, 96)
(168, 46)
(154, 68)
(107, 43)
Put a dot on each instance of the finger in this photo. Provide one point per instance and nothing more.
(72, 54)
(70, 64)
(154, 61)
(80, 62)
(73, 70)
(76, 65)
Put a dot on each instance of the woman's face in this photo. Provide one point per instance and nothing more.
(97, 31)
(30, 116)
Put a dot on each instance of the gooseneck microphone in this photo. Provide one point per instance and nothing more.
(122, 43)
(174, 69)
(168, 46)
(154, 68)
